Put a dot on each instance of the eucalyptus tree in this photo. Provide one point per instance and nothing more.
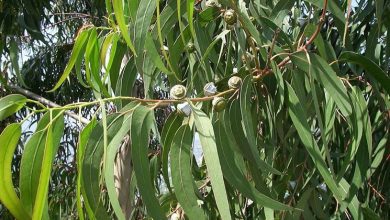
(288, 100)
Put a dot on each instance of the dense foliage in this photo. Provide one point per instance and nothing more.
(226, 109)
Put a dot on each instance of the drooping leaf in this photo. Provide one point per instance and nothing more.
(112, 150)
(91, 179)
(182, 179)
(207, 139)
(141, 125)
(50, 148)
(36, 163)
(83, 139)
(145, 12)
(324, 74)
(171, 125)
(9, 139)
(235, 176)
(299, 120)
(118, 11)
(245, 103)
(80, 42)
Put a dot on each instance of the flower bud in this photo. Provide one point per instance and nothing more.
(178, 92)
(184, 108)
(234, 82)
(212, 3)
(219, 104)
(190, 47)
(210, 89)
(230, 17)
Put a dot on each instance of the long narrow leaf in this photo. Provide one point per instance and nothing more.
(207, 139)
(9, 139)
(141, 125)
(181, 172)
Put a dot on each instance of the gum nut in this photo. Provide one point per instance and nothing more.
(219, 104)
(184, 108)
(210, 89)
(230, 17)
(234, 82)
(178, 92)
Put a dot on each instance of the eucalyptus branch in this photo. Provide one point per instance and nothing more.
(47, 102)
(157, 102)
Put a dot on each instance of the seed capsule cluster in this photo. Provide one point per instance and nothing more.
(179, 92)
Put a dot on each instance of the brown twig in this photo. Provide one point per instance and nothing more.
(271, 50)
(376, 192)
(319, 26)
(262, 73)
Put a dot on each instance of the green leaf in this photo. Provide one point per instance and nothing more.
(207, 139)
(154, 55)
(77, 48)
(126, 81)
(171, 125)
(235, 176)
(235, 119)
(370, 66)
(325, 75)
(356, 123)
(115, 63)
(118, 11)
(245, 103)
(144, 16)
(9, 139)
(354, 204)
(36, 163)
(109, 162)
(91, 166)
(44, 177)
(83, 139)
(11, 104)
(299, 119)
(182, 178)
(109, 40)
(141, 125)
(13, 54)
(92, 62)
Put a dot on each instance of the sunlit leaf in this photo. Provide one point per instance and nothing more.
(9, 139)
(118, 10)
(36, 163)
(10, 104)
(78, 47)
